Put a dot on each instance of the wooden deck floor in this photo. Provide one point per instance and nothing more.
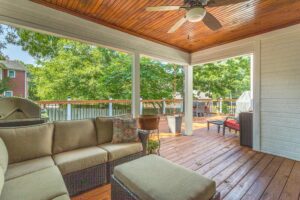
(239, 172)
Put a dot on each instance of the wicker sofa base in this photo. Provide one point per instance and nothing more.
(121, 192)
(83, 180)
(111, 165)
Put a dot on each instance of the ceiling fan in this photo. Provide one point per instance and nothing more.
(195, 12)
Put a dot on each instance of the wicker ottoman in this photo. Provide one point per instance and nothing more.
(152, 177)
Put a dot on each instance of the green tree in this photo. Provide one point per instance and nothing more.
(4, 85)
(38, 45)
(157, 79)
(69, 68)
(224, 78)
(3, 41)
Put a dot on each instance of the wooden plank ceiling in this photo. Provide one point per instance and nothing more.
(239, 20)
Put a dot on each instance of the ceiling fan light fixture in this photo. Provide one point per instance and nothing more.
(196, 14)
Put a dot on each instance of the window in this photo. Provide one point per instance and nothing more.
(8, 93)
(11, 73)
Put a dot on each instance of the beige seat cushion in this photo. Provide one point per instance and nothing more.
(25, 143)
(117, 151)
(80, 159)
(152, 177)
(70, 135)
(62, 197)
(26, 167)
(3, 156)
(104, 127)
(41, 185)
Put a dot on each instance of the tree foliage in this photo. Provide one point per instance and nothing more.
(229, 78)
(4, 85)
(38, 45)
(70, 68)
(2, 42)
(87, 72)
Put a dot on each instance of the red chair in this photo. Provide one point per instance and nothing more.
(231, 123)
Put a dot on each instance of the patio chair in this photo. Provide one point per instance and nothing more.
(231, 123)
(199, 109)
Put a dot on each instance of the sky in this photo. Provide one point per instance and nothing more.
(16, 53)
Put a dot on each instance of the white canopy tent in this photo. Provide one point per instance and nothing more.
(244, 103)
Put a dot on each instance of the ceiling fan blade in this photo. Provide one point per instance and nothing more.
(163, 8)
(215, 3)
(177, 25)
(211, 22)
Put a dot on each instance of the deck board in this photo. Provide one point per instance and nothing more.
(239, 172)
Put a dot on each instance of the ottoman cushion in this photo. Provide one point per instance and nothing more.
(153, 177)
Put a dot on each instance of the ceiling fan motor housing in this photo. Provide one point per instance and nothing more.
(196, 14)
(193, 3)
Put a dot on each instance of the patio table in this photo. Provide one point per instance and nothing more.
(219, 123)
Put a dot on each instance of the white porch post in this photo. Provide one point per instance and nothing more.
(135, 98)
(188, 99)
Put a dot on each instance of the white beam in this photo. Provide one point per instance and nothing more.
(135, 73)
(188, 99)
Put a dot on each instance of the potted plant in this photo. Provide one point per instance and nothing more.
(174, 121)
(153, 146)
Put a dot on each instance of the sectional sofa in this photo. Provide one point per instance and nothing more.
(53, 161)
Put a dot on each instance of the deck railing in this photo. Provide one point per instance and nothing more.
(84, 109)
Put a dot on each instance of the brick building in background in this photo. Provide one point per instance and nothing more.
(17, 74)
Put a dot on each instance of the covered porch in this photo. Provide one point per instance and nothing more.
(267, 30)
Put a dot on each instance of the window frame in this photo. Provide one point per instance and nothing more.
(10, 91)
(8, 73)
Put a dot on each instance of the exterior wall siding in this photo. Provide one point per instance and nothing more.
(17, 84)
(280, 95)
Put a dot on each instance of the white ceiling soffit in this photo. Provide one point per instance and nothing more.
(26, 14)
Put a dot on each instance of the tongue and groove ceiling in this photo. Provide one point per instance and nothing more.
(239, 21)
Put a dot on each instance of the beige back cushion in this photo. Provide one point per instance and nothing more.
(70, 135)
(3, 156)
(104, 127)
(25, 143)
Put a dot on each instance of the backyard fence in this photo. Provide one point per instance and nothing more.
(84, 109)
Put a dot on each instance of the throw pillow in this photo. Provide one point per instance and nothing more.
(124, 131)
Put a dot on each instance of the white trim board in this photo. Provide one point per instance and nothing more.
(26, 14)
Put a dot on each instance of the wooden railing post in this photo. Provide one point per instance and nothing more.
(221, 105)
(110, 108)
(69, 110)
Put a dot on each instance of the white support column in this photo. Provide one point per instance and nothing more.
(256, 80)
(188, 99)
(135, 98)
